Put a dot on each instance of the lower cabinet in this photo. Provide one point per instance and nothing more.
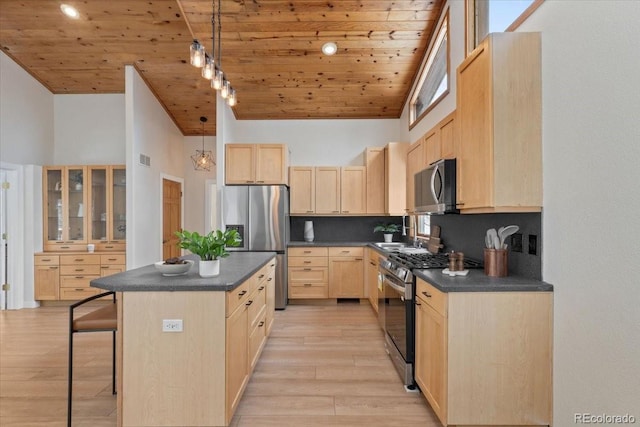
(346, 272)
(237, 356)
(371, 277)
(67, 276)
(485, 358)
(326, 272)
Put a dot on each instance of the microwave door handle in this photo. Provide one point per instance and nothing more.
(433, 186)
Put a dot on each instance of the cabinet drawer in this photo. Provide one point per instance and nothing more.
(346, 251)
(79, 259)
(65, 247)
(308, 275)
(79, 281)
(257, 338)
(257, 302)
(238, 296)
(108, 270)
(433, 297)
(111, 246)
(308, 290)
(80, 269)
(78, 293)
(297, 261)
(113, 259)
(47, 260)
(308, 252)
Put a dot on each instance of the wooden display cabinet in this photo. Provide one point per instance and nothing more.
(108, 202)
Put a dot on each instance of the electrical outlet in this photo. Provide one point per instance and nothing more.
(171, 325)
(533, 244)
(516, 242)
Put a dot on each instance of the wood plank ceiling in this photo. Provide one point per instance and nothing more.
(270, 53)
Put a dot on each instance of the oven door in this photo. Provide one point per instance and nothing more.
(396, 313)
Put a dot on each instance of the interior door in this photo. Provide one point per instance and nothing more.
(171, 217)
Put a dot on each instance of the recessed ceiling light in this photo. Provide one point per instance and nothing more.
(329, 48)
(70, 11)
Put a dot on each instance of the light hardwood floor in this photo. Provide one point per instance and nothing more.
(322, 366)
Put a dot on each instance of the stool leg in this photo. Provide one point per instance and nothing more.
(70, 376)
(113, 366)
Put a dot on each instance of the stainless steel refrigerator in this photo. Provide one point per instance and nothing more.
(260, 213)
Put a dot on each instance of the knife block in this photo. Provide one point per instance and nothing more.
(495, 262)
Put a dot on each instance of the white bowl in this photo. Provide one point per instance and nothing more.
(173, 269)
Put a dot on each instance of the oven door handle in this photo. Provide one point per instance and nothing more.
(397, 288)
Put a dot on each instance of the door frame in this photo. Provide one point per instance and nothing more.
(168, 177)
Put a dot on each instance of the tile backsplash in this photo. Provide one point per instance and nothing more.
(342, 229)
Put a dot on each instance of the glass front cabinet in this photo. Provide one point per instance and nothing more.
(65, 195)
(107, 219)
(84, 204)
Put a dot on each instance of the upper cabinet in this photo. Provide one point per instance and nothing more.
(328, 190)
(499, 120)
(84, 204)
(256, 164)
(374, 159)
(64, 206)
(108, 215)
(386, 171)
(415, 163)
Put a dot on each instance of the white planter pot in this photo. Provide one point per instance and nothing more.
(209, 268)
(388, 238)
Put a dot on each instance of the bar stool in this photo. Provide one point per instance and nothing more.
(100, 320)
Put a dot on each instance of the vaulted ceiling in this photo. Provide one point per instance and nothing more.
(270, 53)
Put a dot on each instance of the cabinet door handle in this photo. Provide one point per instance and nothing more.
(343, 211)
(426, 294)
(337, 212)
(241, 293)
(249, 182)
(249, 303)
(261, 276)
(261, 288)
(53, 268)
(417, 303)
(358, 259)
(64, 247)
(269, 279)
(307, 252)
(261, 324)
(69, 241)
(372, 263)
(59, 241)
(79, 277)
(260, 182)
(309, 211)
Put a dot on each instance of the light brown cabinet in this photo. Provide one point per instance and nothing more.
(67, 275)
(371, 277)
(64, 207)
(395, 181)
(256, 164)
(328, 190)
(346, 272)
(237, 356)
(499, 119)
(374, 159)
(472, 363)
(308, 272)
(107, 215)
(302, 189)
(415, 163)
(47, 277)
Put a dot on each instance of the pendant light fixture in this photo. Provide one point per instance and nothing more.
(203, 159)
(211, 64)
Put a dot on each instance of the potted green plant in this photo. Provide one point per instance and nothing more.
(388, 230)
(209, 247)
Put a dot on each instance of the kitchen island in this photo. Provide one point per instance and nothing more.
(187, 345)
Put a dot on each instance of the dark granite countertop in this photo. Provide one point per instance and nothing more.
(234, 270)
(477, 281)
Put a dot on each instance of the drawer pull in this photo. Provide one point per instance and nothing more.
(69, 241)
(308, 284)
(346, 252)
(249, 182)
(307, 262)
(260, 182)
(272, 265)
(307, 252)
(242, 293)
(261, 288)
(64, 247)
(46, 259)
(426, 294)
(108, 247)
(79, 277)
(261, 276)
(372, 263)
(59, 241)
(269, 279)
(79, 289)
(417, 303)
(261, 324)
(309, 211)
(358, 259)
(104, 241)
(79, 269)
(306, 269)
(105, 266)
(112, 259)
(249, 303)
(338, 212)
(53, 268)
(79, 259)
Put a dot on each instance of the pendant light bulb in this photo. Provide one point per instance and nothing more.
(226, 88)
(232, 100)
(208, 69)
(218, 78)
(197, 54)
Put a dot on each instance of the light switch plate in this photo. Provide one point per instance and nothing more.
(171, 325)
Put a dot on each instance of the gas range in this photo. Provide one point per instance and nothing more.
(400, 264)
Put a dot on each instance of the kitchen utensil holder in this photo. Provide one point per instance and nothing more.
(495, 262)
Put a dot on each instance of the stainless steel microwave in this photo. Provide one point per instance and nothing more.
(435, 188)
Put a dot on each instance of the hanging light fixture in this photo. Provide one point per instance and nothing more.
(212, 64)
(203, 159)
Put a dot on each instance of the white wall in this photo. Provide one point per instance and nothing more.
(317, 142)
(89, 129)
(26, 117)
(195, 183)
(591, 166)
(150, 131)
